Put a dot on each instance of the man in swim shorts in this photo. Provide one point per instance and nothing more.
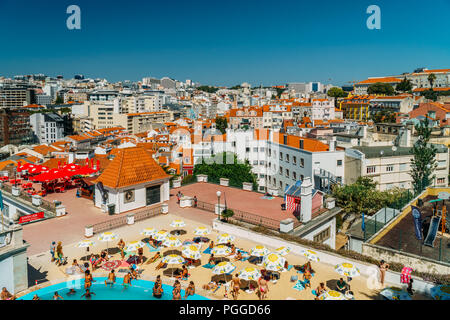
(111, 279)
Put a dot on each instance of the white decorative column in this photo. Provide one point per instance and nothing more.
(247, 186)
(186, 202)
(224, 182)
(202, 178)
(60, 210)
(88, 231)
(222, 207)
(130, 218)
(36, 200)
(176, 183)
(164, 208)
(286, 225)
(15, 191)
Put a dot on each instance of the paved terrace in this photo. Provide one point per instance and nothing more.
(238, 199)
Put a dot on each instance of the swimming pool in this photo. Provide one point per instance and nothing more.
(140, 290)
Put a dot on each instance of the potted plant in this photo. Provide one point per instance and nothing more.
(227, 213)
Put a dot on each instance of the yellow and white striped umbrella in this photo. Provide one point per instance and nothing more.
(332, 295)
(85, 243)
(221, 250)
(107, 236)
(249, 273)
(134, 245)
(274, 262)
(192, 252)
(259, 251)
(224, 267)
(149, 232)
(178, 223)
(202, 231)
(172, 242)
(224, 238)
(347, 269)
(311, 255)
(161, 235)
(173, 259)
(283, 250)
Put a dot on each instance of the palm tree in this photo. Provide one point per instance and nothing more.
(431, 79)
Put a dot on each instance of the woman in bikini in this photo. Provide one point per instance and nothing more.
(236, 286)
(383, 268)
(88, 279)
(320, 290)
(263, 288)
(307, 279)
(121, 246)
(238, 256)
(141, 255)
(190, 290)
(184, 273)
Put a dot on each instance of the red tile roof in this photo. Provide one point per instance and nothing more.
(131, 166)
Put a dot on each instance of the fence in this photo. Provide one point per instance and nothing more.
(49, 207)
(122, 220)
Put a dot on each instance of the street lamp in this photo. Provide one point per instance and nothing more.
(218, 193)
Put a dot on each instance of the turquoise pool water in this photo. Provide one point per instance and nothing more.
(140, 290)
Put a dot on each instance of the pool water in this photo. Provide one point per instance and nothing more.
(139, 290)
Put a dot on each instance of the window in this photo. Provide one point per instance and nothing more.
(294, 174)
(389, 168)
(294, 159)
(281, 185)
(402, 167)
(302, 177)
(255, 149)
(255, 162)
(323, 235)
(247, 149)
(442, 163)
(339, 163)
(302, 162)
(371, 169)
(261, 175)
(440, 180)
(281, 155)
(281, 170)
(287, 173)
(287, 158)
(261, 149)
(261, 162)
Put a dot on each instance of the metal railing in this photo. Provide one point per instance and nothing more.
(46, 205)
(247, 217)
(121, 221)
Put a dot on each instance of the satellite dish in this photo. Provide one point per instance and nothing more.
(444, 195)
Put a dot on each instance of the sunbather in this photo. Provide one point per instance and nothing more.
(184, 273)
(238, 256)
(154, 258)
(212, 285)
(160, 265)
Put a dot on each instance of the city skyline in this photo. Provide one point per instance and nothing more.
(224, 44)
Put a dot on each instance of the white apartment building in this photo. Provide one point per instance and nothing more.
(390, 166)
(48, 127)
(322, 109)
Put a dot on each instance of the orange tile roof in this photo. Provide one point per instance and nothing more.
(311, 145)
(53, 162)
(383, 80)
(6, 163)
(434, 89)
(131, 166)
(44, 150)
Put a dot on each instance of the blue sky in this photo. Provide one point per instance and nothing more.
(224, 42)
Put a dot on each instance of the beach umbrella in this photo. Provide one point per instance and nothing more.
(161, 235)
(347, 269)
(221, 250)
(177, 223)
(192, 252)
(224, 238)
(332, 295)
(149, 232)
(85, 243)
(311, 255)
(107, 237)
(274, 262)
(259, 251)
(173, 259)
(224, 268)
(134, 246)
(249, 273)
(202, 231)
(282, 251)
(394, 293)
(441, 292)
(172, 242)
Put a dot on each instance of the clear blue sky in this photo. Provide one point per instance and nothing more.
(224, 42)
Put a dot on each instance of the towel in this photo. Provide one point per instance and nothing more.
(208, 266)
(298, 286)
(152, 249)
(207, 251)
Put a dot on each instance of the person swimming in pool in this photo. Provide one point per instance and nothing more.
(71, 292)
(56, 296)
(190, 290)
(88, 279)
(157, 290)
(36, 297)
(87, 294)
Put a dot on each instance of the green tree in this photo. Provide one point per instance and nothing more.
(381, 88)
(59, 100)
(279, 91)
(431, 79)
(236, 87)
(430, 94)
(423, 163)
(404, 86)
(336, 92)
(226, 165)
(221, 124)
(227, 213)
(362, 196)
(208, 89)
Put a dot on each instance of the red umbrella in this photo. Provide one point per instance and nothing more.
(70, 167)
(26, 166)
(53, 174)
(98, 164)
(87, 161)
(38, 169)
(85, 171)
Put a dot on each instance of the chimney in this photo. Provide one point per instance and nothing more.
(306, 199)
(332, 145)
